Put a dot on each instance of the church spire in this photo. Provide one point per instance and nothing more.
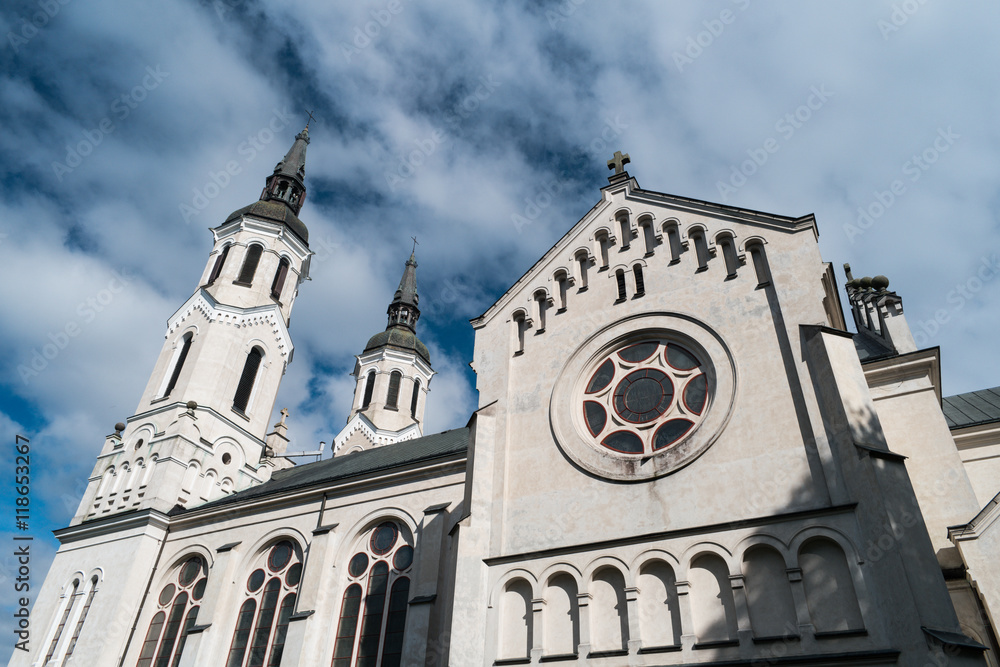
(403, 310)
(287, 183)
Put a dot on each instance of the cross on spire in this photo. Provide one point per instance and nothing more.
(284, 414)
(618, 162)
(415, 244)
(311, 117)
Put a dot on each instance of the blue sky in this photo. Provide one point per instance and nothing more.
(482, 129)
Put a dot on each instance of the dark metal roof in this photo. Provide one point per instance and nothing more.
(870, 349)
(379, 459)
(399, 338)
(276, 210)
(972, 408)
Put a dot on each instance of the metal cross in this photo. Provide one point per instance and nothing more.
(311, 117)
(618, 162)
(415, 244)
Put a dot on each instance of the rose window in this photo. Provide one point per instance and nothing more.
(646, 397)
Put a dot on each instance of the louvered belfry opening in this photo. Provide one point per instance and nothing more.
(247, 379)
(220, 262)
(393, 398)
(369, 389)
(180, 364)
(414, 398)
(640, 284)
(620, 275)
(279, 278)
(250, 265)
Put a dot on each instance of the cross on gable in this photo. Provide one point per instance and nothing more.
(618, 162)
(284, 414)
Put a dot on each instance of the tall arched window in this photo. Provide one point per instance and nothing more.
(626, 230)
(250, 265)
(220, 261)
(83, 615)
(519, 327)
(583, 261)
(177, 612)
(620, 277)
(279, 278)
(245, 388)
(414, 398)
(760, 264)
(179, 364)
(729, 254)
(541, 305)
(562, 280)
(68, 602)
(380, 568)
(605, 244)
(369, 390)
(701, 248)
(262, 620)
(648, 235)
(640, 284)
(674, 242)
(829, 586)
(713, 609)
(392, 398)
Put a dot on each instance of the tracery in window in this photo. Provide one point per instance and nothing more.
(645, 397)
(177, 604)
(373, 608)
(262, 619)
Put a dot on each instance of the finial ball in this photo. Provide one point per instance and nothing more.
(880, 283)
(865, 282)
(192, 405)
(119, 427)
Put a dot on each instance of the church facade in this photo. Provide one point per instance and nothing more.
(681, 456)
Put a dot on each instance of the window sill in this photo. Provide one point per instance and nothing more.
(834, 634)
(242, 284)
(717, 644)
(608, 654)
(639, 295)
(603, 268)
(512, 661)
(659, 649)
(159, 400)
(649, 254)
(392, 407)
(239, 412)
(519, 353)
(581, 289)
(559, 657)
(621, 300)
(776, 638)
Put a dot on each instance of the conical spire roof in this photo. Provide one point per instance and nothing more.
(400, 331)
(294, 162)
(407, 290)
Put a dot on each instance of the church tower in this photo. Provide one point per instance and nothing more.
(393, 376)
(199, 431)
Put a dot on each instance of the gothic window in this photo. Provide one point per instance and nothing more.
(645, 397)
(414, 398)
(393, 396)
(247, 380)
(620, 277)
(177, 605)
(220, 261)
(582, 260)
(373, 610)
(179, 364)
(66, 606)
(562, 280)
(369, 390)
(640, 284)
(250, 265)
(279, 278)
(262, 620)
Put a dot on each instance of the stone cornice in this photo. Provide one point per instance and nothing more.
(910, 366)
(977, 435)
(267, 228)
(116, 523)
(267, 315)
(378, 437)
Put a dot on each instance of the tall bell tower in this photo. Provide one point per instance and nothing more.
(393, 375)
(200, 430)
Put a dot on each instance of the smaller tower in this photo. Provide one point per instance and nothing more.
(393, 376)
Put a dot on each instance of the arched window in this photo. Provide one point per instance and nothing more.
(640, 284)
(760, 264)
(392, 398)
(250, 265)
(605, 243)
(609, 611)
(515, 620)
(83, 616)
(369, 390)
(179, 364)
(562, 280)
(701, 248)
(561, 626)
(620, 277)
(713, 609)
(769, 595)
(826, 576)
(177, 612)
(541, 305)
(729, 254)
(583, 261)
(414, 398)
(519, 327)
(247, 380)
(648, 235)
(68, 601)
(626, 229)
(279, 278)
(380, 567)
(262, 620)
(674, 242)
(659, 608)
(220, 262)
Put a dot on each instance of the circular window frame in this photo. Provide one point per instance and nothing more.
(567, 416)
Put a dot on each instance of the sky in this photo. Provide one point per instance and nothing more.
(127, 130)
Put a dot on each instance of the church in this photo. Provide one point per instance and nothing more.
(681, 456)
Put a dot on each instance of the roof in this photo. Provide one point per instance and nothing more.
(276, 210)
(870, 349)
(400, 338)
(972, 408)
(379, 459)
